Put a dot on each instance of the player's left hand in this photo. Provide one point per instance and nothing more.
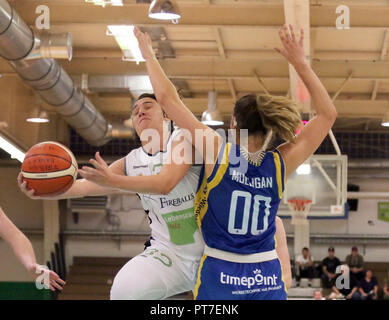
(100, 174)
(293, 48)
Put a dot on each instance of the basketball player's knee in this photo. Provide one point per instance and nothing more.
(136, 288)
(123, 289)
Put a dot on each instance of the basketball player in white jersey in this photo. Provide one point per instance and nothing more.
(167, 188)
(23, 250)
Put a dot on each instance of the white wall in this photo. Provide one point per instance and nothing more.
(25, 213)
(132, 218)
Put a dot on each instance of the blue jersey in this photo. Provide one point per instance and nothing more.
(237, 205)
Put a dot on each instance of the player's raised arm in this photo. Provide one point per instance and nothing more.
(171, 103)
(314, 132)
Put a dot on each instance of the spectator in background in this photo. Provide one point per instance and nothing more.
(368, 287)
(355, 263)
(347, 290)
(329, 265)
(386, 290)
(317, 295)
(304, 265)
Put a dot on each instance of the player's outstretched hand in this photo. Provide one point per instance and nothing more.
(23, 187)
(293, 48)
(100, 174)
(144, 42)
(55, 281)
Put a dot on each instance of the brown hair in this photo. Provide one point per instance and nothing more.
(147, 95)
(262, 112)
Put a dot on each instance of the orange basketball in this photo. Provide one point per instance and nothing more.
(49, 168)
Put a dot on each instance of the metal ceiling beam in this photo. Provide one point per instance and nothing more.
(232, 88)
(330, 133)
(219, 42)
(384, 51)
(260, 82)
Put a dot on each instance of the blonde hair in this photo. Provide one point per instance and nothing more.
(279, 114)
(263, 112)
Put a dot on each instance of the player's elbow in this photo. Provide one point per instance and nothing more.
(328, 115)
(167, 185)
(163, 190)
(167, 97)
(166, 188)
(331, 115)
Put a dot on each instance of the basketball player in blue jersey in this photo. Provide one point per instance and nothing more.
(236, 209)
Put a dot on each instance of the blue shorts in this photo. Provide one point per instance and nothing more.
(225, 280)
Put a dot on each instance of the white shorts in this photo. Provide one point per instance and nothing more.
(155, 274)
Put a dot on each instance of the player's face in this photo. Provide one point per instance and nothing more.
(146, 114)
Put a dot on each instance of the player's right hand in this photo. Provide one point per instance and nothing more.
(292, 48)
(23, 187)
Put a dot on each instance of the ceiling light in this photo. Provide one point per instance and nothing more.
(103, 3)
(385, 120)
(212, 116)
(164, 10)
(138, 85)
(12, 149)
(304, 169)
(38, 116)
(124, 36)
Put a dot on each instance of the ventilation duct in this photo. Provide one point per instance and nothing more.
(89, 204)
(52, 45)
(136, 85)
(47, 78)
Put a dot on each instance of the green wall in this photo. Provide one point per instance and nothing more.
(22, 291)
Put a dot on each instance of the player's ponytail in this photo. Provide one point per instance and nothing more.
(262, 112)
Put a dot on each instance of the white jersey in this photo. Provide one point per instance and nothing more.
(172, 219)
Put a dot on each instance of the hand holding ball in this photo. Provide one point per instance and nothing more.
(49, 168)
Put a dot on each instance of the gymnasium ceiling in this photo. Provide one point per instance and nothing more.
(226, 45)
